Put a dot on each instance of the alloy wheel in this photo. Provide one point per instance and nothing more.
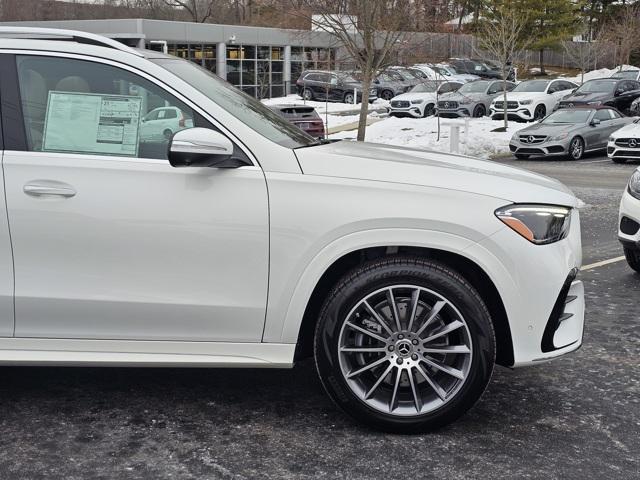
(405, 350)
(576, 149)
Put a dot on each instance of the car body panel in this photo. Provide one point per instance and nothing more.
(414, 104)
(630, 208)
(625, 142)
(621, 102)
(549, 98)
(463, 104)
(331, 86)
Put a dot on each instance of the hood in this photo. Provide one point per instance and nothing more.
(549, 129)
(632, 129)
(386, 163)
(588, 97)
(416, 96)
(457, 96)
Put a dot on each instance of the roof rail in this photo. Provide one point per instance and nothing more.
(60, 34)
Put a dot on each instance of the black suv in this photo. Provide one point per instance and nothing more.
(480, 68)
(612, 92)
(332, 86)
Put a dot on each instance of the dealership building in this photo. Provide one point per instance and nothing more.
(264, 62)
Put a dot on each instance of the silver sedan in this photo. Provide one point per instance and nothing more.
(568, 132)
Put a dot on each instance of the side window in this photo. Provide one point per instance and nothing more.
(510, 86)
(495, 88)
(554, 87)
(84, 107)
(614, 114)
(603, 115)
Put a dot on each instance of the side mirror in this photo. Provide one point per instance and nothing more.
(595, 122)
(201, 147)
(618, 93)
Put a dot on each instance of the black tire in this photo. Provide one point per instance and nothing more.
(619, 160)
(479, 111)
(633, 258)
(429, 110)
(404, 270)
(539, 113)
(167, 134)
(521, 156)
(576, 148)
(307, 94)
(348, 98)
(386, 95)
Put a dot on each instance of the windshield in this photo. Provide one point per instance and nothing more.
(474, 87)
(597, 86)
(425, 87)
(347, 78)
(442, 71)
(247, 109)
(532, 86)
(627, 74)
(569, 116)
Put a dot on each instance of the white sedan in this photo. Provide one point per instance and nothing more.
(532, 99)
(421, 100)
(629, 221)
(624, 143)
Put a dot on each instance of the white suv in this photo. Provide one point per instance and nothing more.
(163, 122)
(244, 242)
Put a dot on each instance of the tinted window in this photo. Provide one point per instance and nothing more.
(603, 115)
(474, 87)
(615, 114)
(532, 86)
(425, 87)
(630, 74)
(83, 107)
(592, 86)
(569, 116)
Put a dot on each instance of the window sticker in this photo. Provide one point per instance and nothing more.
(92, 123)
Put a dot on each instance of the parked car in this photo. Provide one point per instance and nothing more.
(387, 83)
(568, 132)
(163, 122)
(453, 74)
(332, 86)
(629, 221)
(472, 99)
(531, 99)
(421, 101)
(304, 117)
(611, 92)
(624, 144)
(480, 68)
(248, 243)
(632, 74)
(439, 72)
(410, 76)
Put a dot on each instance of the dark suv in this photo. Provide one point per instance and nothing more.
(480, 68)
(613, 92)
(332, 86)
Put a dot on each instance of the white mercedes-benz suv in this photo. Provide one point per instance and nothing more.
(244, 242)
(629, 221)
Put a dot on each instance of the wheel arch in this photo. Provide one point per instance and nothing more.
(471, 271)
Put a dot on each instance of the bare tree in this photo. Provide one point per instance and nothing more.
(502, 34)
(622, 31)
(586, 54)
(199, 10)
(367, 29)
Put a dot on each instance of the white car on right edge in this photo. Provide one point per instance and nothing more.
(532, 99)
(624, 143)
(629, 224)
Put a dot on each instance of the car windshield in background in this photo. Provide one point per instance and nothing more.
(627, 74)
(532, 86)
(597, 86)
(569, 116)
(474, 87)
(348, 78)
(425, 87)
(441, 71)
(247, 109)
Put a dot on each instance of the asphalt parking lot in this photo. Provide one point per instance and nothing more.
(577, 417)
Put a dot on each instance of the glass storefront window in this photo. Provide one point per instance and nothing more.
(277, 53)
(182, 51)
(233, 72)
(264, 53)
(249, 52)
(234, 52)
(248, 72)
(297, 54)
(209, 52)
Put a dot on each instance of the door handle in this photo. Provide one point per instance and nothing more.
(38, 190)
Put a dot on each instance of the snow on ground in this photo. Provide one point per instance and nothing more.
(600, 73)
(422, 133)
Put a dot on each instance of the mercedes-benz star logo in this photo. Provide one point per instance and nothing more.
(570, 105)
(530, 138)
(446, 104)
(633, 143)
(404, 348)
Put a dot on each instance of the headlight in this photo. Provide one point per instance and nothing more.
(561, 136)
(525, 102)
(417, 102)
(540, 224)
(612, 139)
(634, 184)
(594, 103)
(464, 101)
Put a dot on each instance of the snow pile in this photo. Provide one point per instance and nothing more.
(422, 133)
(600, 73)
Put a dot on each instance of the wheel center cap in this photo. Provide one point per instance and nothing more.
(404, 348)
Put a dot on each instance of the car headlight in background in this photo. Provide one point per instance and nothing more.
(464, 101)
(525, 102)
(560, 136)
(634, 184)
(594, 103)
(540, 224)
(417, 102)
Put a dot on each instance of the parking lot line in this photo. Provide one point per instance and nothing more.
(602, 263)
(598, 161)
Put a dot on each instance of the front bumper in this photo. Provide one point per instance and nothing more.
(622, 151)
(546, 149)
(462, 111)
(543, 300)
(629, 221)
(521, 113)
(413, 111)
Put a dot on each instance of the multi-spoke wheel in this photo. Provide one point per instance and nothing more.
(576, 148)
(404, 344)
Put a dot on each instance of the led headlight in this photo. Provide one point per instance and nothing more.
(464, 101)
(417, 102)
(561, 136)
(540, 224)
(525, 102)
(634, 184)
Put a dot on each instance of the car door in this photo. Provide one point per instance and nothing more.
(110, 241)
(598, 134)
(6, 260)
(631, 91)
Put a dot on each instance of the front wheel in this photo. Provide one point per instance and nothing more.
(539, 113)
(479, 111)
(386, 95)
(576, 148)
(307, 94)
(404, 344)
(633, 258)
(429, 110)
(348, 98)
